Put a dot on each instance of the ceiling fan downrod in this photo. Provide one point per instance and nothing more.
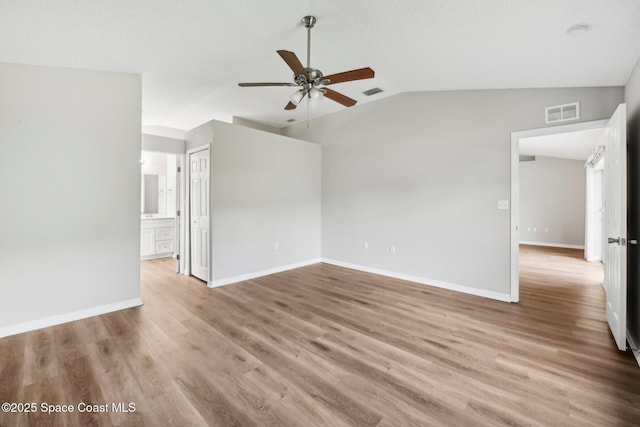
(309, 21)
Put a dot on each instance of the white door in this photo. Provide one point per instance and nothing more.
(615, 266)
(199, 213)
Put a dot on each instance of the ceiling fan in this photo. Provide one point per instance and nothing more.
(310, 81)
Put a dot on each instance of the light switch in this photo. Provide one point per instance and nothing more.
(503, 205)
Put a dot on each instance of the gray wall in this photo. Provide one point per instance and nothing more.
(265, 188)
(424, 171)
(69, 174)
(255, 125)
(552, 200)
(162, 144)
(632, 98)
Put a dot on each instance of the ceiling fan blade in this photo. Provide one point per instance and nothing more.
(290, 106)
(265, 84)
(339, 98)
(348, 76)
(293, 62)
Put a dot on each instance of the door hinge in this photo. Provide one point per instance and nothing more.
(178, 257)
(178, 212)
(178, 169)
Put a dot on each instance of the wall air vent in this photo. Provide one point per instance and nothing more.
(562, 113)
(372, 91)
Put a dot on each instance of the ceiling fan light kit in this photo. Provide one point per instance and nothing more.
(310, 81)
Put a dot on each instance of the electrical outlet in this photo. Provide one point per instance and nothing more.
(366, 245)
(392, 249)
(546, 229)
(503, 205)
(276, 246)
(534, 229)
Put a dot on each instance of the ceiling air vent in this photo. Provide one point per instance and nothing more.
(372, 91)
(562, 113)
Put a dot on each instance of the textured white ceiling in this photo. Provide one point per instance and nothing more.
(568, 145)
(193, 53)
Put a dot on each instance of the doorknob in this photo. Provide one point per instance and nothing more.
(612, 240)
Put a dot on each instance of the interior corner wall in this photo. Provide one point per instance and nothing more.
(162, 144)
(69, 174)
(423, 172)
(255, 125)
(265, 200)
(552, 202)
(632, 98)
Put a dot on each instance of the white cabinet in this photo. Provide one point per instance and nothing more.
(157, 238)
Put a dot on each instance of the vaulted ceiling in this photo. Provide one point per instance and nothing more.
(193, 53)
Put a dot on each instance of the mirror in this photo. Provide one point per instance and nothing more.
(150, 194)
(158, 184)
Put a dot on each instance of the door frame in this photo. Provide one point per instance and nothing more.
(592, 246)
(515, 189)
(185, 265)
(180, 173)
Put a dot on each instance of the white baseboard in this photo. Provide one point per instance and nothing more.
(45, 322)
(423, 281)
(256, 274)
(553, 245)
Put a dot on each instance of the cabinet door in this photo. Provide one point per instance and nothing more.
(147, 242)
(164, 246)
(165, 233)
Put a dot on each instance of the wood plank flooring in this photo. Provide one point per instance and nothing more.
(328, 346)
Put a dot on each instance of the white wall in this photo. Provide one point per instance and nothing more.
(423, 172)
(552, 201)
(265, 189)
(69, 173)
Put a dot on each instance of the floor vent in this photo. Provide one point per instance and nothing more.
(562, 113)
(372, 91)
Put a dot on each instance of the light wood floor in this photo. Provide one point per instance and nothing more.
(323, 345)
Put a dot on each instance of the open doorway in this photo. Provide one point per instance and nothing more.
(615, 195)
(159, 205)
(551, 147)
